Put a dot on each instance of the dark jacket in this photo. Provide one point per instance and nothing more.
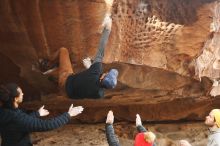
(86, 84)
(16, 126)
(111, 137)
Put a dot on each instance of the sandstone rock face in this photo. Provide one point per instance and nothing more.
(182, 98)
(164, 34)
(208, 62)
(155, 44)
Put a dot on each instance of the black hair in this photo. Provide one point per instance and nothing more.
(8, 93)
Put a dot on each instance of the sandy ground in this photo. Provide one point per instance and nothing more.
(94, 135)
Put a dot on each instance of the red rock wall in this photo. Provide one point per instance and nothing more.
(166, 34)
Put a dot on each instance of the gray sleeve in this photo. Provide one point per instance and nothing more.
(102, 45)
(141, 128)
(110, 135)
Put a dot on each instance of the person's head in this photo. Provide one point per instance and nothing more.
(145, 139)
(109, 80)
(213, 119)
(11, 95)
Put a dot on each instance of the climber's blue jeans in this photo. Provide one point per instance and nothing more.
(102, 45)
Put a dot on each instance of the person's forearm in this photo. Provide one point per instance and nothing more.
(31, 113)
(33, 124)
(141, 128)
(102, 45)
(110, 135)
(35, 114)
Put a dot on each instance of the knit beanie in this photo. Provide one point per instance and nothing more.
(110, 80)
(216, 113)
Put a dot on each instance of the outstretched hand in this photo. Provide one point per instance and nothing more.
(110, 118)
(74, 111)
(138, 120)
(43, 112)
(87, 62)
